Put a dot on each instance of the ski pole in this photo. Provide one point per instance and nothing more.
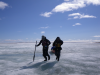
(34, 51)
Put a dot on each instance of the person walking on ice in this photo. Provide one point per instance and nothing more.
(45, 43)
(57, 47)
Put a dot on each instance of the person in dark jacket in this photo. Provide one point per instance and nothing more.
(45, 43)
(57, 44)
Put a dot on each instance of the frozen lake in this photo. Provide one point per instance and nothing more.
(76, 59)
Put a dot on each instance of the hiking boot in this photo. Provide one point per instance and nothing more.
(45, 60)
(48, 57)
(56, 58)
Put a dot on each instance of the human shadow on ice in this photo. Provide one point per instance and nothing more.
(33, 65)
(42, 65)
(48, 65)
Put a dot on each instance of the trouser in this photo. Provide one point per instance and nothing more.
(45, 53)
(57, 53)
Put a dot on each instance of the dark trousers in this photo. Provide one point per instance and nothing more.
(57, 53)
(45, 53)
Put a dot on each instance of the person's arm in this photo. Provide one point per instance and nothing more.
(49, 42)
(39, 43)
(54, 43)
(61, 42)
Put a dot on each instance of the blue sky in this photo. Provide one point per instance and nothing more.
(28, 20)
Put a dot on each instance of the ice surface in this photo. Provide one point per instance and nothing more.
(76, 59)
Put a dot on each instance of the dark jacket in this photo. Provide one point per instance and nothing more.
(45, 42)
(57, 44)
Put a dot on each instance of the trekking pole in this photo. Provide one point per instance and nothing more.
(34, 51)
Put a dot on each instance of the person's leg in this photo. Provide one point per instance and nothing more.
(58, 54)
(44, 54)
(47, 54)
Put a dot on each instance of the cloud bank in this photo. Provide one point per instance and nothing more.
(42, 32)
(46, 14)
(80, 16)
(96, 36)
(70, 6)
(44, 27)
(66, 0)
(76, 24)
(3, 5)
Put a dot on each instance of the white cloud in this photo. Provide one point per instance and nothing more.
(74, 14)
(80, 16)
(76, 24)
(11, 40)
(66, 0)
(3, 5)
(42, 32)
(44, 27)
(71, 5)
(87, 16)
(78, 40)
(97, 36)
(46, 14)
(68, 6)
(94, 2)
(75, 17)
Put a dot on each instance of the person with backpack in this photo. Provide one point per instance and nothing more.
(57, 47)
(45, 43)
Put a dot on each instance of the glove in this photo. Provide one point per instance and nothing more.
(51, 48)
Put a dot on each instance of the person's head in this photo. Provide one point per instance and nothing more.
(58, 38)
(43, 37)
